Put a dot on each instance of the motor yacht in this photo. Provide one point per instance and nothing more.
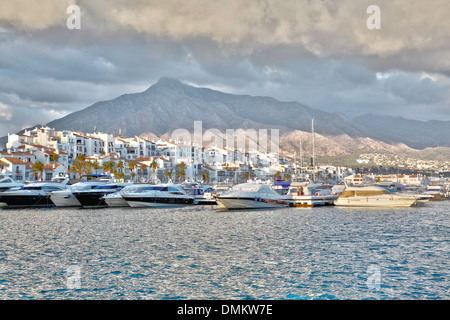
(251, 196)
(93, 198)
(166, 195)
(202, 194)
(116, 200)
(32, 195)
(65, 198)
(309, 194)
(374, 196)
(8, 183)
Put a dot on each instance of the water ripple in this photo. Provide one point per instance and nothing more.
(203, 253)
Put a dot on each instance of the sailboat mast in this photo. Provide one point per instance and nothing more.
(301, 155)
(313, 151)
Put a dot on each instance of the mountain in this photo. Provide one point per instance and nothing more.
(170, 104)
(414, 133)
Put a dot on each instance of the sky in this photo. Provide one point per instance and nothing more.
(332, 55)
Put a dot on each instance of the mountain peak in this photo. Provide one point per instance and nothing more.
(169, 83)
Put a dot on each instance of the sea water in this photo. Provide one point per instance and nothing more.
(202, 252)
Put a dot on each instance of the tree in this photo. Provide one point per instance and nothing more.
(143, 168)
(79, 166)
(154, 166)
(54, 157)
(181, 173)
(96, 166)
(246, 176)
(38, 170)
(169, 174)
(132, 165)
(108, 167)
(120, 165)
(205, 175)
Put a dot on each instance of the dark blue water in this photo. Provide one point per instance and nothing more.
(204, 253)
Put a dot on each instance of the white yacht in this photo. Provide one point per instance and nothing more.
(166, 195)
(93, 198)
(65, 198)
(251, 196)
(437, 192)
(374, 196)
(33, 195)
(309, 194)
(7, 183)
(116, 200)
(202, 194)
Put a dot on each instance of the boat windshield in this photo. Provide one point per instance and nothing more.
(155, 188)
(106, 187)
(31, 188)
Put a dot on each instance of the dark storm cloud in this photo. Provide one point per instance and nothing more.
(319, 53)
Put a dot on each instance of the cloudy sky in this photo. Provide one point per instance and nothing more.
(318, 52)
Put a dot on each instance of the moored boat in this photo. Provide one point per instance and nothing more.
(65, 198)
(309, 194)
(251, 196)
(33, 195)
(374, 196)
(166, 195)
(93, 198)
(116, 200)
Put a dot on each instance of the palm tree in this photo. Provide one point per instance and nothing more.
(143, 168)
(79, 166)
(154, 166)
(108, 166)
(96, 166)
(181, 166)
(169, 174)
(246, 176)
(54, 157)
(205, 175)
(38, 170)
(132, 165)
(120, 165)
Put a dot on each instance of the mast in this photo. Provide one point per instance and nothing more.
(301, 155)
(313, 151)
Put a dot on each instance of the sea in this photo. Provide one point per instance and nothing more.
(207, 253)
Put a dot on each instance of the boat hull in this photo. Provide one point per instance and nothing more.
(27, 201)
(156, 202)
(116, 202)
(91, 199)
(250, 203)
(312, 201)
(64, 199)
(376, 202)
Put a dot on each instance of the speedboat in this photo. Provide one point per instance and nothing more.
(374, 196)
(65, 198)
(33, 195)
(116, 200)
(93, 198)
(309, 194)
(8, 183)
(201, 194)
(168, 195)
(251, 196)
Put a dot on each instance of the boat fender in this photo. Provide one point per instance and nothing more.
(301, 190)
